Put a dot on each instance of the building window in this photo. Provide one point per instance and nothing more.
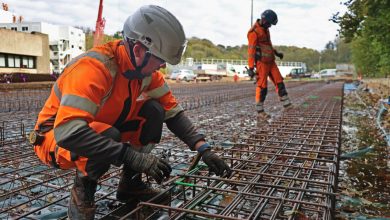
(80, 48)
(11, 61)
(25, 62)
(71, 33)
(54, 47)
(24, 28)
(2, 60)
(17, 61)
(72, 46)
(30, 63)
(14, 28)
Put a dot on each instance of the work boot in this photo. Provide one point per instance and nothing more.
(131, 187)
(82, 198)
(263, 116)
(285, 101)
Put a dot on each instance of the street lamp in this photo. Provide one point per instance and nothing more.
(251, 13)
(319, 63)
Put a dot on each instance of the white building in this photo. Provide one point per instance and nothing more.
(6, 16)
(65, 42)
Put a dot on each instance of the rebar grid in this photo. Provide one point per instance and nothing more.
(283, 169)
(23, 100)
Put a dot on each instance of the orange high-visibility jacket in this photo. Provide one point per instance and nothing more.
(259, 37)
(93, 88)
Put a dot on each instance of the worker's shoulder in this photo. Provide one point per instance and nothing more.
(87, 62)
(99, 56)
(256, 28)
(254, 25)
(252, 29)
(87, 70)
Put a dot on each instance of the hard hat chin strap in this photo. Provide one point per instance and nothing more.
(265, 23)
(137, 72)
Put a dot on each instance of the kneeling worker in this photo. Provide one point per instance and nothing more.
(108, 108)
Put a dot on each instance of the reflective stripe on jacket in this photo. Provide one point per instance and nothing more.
(92, 88)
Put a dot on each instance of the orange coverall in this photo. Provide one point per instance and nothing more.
(259, 37)
(92, 92)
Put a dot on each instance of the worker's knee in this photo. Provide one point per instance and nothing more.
(152, 109)
(95, 169)
(263, 94)
(263, 91)
(281, 89)
(154, 115)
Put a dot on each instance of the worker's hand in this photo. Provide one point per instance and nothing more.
(279, 54)
(256, 79)
(251, 72)
(147, 163)
(216, 164)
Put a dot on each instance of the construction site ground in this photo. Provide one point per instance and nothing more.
(325, 157)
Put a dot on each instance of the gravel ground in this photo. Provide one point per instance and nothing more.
(364, 176)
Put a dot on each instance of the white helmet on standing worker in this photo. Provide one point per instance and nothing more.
(159, 31)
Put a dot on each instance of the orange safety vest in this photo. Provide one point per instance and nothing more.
(259, 37)
(93, 88)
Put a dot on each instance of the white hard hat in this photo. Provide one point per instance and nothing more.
(159, 30)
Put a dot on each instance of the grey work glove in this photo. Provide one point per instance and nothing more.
(251, 73)
(147, 163)
(216, 164)
(279, 54)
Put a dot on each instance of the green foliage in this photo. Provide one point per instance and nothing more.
(88, 41)
(367, 25)
(106, 38)
(337, 52)
(306, 55)
(203, 49)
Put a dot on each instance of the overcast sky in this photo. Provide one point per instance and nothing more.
(302, 23)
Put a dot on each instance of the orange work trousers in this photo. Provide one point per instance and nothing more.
(265, 70)
(137, 136)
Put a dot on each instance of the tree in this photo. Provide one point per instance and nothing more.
(204, 49)
(366, 24)
(106, 38)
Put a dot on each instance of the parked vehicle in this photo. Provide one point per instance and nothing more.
(327, 73)
(186, 75)
(174, 74)
(315, 76)
(298, 72)
(182, 74)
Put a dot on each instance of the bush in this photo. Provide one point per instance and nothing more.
(25, 77)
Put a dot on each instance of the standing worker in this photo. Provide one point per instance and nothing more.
(235, 77)
(108, 108)
(261, 55)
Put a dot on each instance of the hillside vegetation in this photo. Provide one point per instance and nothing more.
(334, 52)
